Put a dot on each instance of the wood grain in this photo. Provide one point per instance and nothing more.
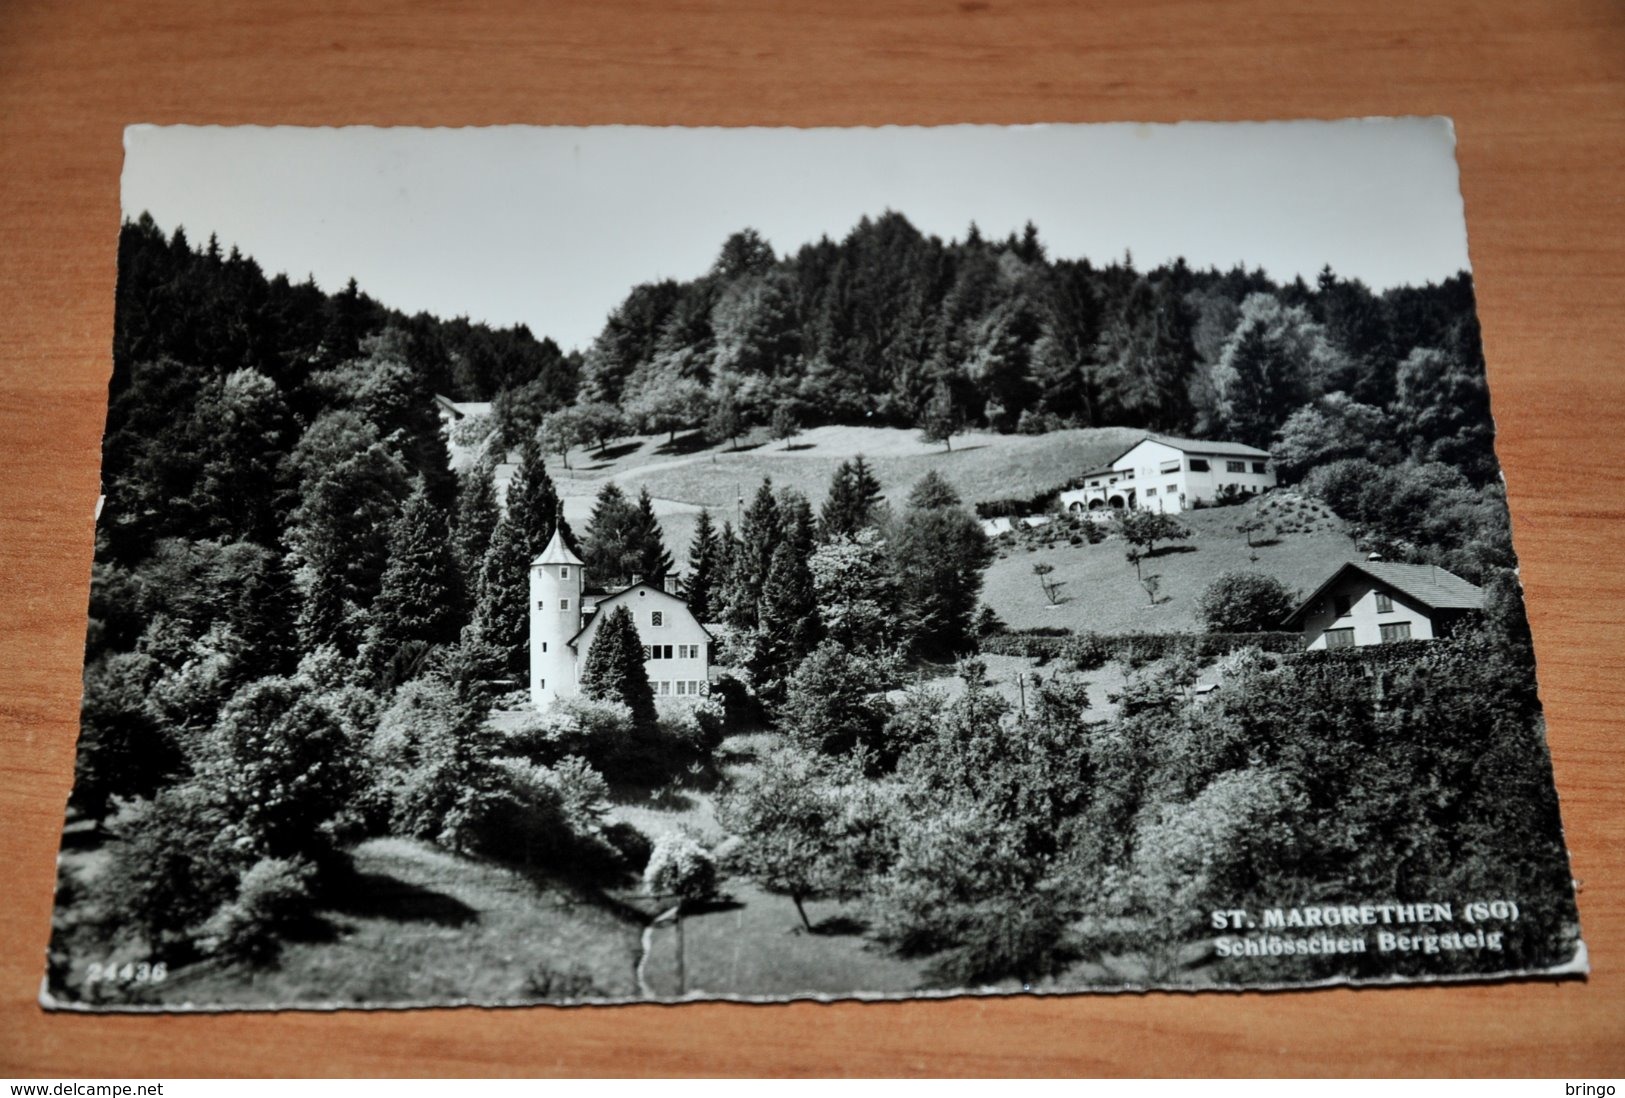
(1537, 92)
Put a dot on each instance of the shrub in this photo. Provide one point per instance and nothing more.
(598, 731)
(740, 708)
(1140, 648)
(632, 846)
(688, 729)
(1244, 602)
(835, 701)
(548, 815)
(179, 856)
(272, 898)
(679, 866)
(1088, 652)
(428, 746)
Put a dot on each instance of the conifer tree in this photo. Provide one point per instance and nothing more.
(788, 624)
(853, 503)
(702, 567)
(723, 572)
(939, 554)
(759, 535)
(477, 518)
(502, 615)
(612, 551)
(532, 501)
(614, 668)
(796, 518)
(420, 598)
(646, 538)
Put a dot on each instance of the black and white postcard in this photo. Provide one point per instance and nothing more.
(544, 565)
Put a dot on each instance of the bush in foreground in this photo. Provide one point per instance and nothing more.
(1244, 602)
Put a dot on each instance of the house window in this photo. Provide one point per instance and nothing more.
(1339, 638)
(1199, 465)
(1385, 605)
(1150, 491)
(1398, 631)
(1340, 605)
(657, 617)
(541, 684)
(665, 686)
(1170, 466)
(544, 646)
(1235, 466)
(1260, 467)
(1172, 489)
(1128, 474)
(564, 573)
(564, 604)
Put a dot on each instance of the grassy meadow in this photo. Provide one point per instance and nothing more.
(1102, 594)
(688, 474)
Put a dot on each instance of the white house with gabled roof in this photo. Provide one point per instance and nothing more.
(1384, 602)
(1163, 473)
(565, 612)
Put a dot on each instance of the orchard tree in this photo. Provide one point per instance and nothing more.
(563, 431)
(668, 405)
(941, 420)
(785, 822)
(1144, 529)
(724, 422)
(785, 423)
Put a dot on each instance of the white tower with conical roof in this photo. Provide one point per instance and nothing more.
(556, 583)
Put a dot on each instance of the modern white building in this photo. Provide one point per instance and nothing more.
(1161, 473)
(564, 617)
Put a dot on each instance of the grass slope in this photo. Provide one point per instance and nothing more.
(1102, 594)
(688, 475)
(423, 924)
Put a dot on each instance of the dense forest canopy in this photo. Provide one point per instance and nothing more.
(867, 330)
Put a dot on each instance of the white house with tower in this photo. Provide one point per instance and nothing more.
(1162, 473)
(565, 612)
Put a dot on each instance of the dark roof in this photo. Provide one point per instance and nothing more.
(1425, 584)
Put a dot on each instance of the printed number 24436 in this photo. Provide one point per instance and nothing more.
(130, 972)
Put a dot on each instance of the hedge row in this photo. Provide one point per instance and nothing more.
(1090, 650)
(1370, 655)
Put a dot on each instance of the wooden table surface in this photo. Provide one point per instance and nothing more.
(1537, 93)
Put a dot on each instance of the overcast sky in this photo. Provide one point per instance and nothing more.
(552, 226)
